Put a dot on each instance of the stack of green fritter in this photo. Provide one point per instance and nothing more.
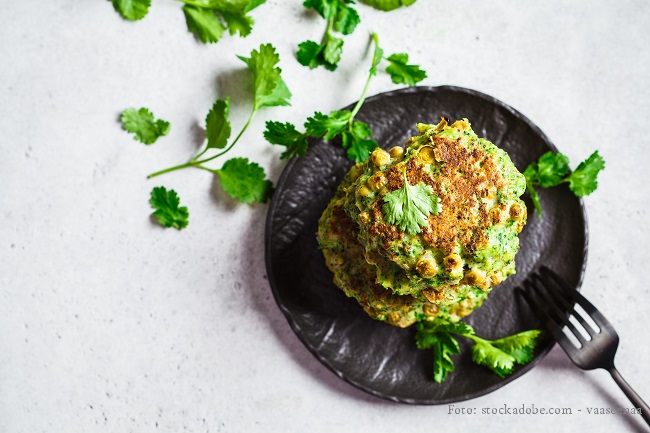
(402, 269)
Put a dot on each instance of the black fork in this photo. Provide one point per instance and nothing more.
(555, 305)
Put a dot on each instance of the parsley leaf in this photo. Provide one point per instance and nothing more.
(132, 10)
(143, 125)
(388, 5)
(358, 141)
(401, 72)
(551, 169)
(286, 134)
(205, 25)
(167, 209)
(307, 54)
(238, 23)
(270, 89)
(217, 126)
(443, 345)
(584, 180)
(245, 181)
(409, 207)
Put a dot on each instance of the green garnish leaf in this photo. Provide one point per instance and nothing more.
(358, 141)
(167, 207)
(307, 54)
(584, 180)
(340, 18)
(143, 125)
(388, 5)
(409, 207)
(401, 72)
(443, 345)
(217, 125)
(205, 25)
(132, 10)
(519, 346)
(285, 134)
(245, 181)
(238, 23)
(270, 89)
(329, 126)
(347, 18)
(483, 353)
(551, 169)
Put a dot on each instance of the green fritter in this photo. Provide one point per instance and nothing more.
(344, 256)
(463, 250)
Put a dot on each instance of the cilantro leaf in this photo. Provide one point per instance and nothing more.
(270, 89)
(388, 5)
(238, 23)
(409, 207)
(483, 353)
(347, 19)
(307, 54)
(167, 209)
(328, 127)
(342, 19)
(519, 346)
(217, 126)
(285, 134)
(443, 345)
(143, 125)
(245, 181)
(401, 72)
(205, 25)
(132, 10)
(534, 197)
(358, 141)
(443, 325)
(549, 170)
(584, 180)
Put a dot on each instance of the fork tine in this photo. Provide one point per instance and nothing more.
(559, 315)
(575, 296)
(550, 324)
(556, 287)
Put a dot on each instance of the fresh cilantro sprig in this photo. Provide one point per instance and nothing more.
(240, 178)
(388, 5)
(552, 169)
(340, 18)
(206, 19)
(356, 136)
(167, 209)
(500, 355)
(143, 125)
(409, 207)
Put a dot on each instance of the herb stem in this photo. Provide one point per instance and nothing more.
(174, 168)
(357, 107)
(248, 122)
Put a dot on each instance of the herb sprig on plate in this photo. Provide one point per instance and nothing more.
(500, 355)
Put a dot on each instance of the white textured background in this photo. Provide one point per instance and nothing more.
(110, 323)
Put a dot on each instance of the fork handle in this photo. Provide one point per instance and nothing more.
(636, 400)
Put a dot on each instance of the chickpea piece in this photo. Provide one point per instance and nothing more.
(475, 277)
(427, 155)
(496, 278)
(377, 181)
(380, 157)
(430, 310)
(452, 262)
(488, 193)
(496, 215)
(516, 212)
(396, 152)
(427, 267)
(364, 191)
(460, 124)
(337, 260)
(364, 217)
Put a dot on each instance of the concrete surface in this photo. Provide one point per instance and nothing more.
(109, 323)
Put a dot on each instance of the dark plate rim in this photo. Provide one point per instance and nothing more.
(286, 172)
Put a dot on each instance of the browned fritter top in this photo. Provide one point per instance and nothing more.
(464, 178)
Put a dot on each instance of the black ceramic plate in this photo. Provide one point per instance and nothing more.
(374, 356)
